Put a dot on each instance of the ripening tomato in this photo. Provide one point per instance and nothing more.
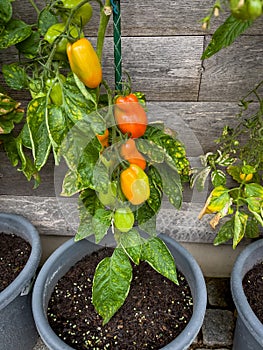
(130, 116)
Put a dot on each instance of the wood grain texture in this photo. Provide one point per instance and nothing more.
(150, 17)
(233, 71)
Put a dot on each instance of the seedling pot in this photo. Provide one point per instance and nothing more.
(249, 330)
(17, 326)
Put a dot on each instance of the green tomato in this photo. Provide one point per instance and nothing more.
(56, 89)
(123, 219)
(246, 9)
(81, 16)
(109, 198)
(254, 8)
(54, 32)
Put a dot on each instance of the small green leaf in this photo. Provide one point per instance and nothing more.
(225, 35)
(111, 284)
(254, 190)
(252, 229)
(132, 243)
(101, 222)
(71, 184)
(5, 11)
(172, 186)
(146, 218)
(29, 46)
(45, 20)
(15, 76)
(199, 177)
(15, 32)
(240, 221)
(218, 178)
(36, 119)
(155, 182)
(225, 233)
(156, 253)
(154, 152)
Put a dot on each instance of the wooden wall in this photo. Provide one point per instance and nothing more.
(162, 44)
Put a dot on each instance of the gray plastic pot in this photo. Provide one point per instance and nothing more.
(70, 252)
(249, 330)
(17, 326)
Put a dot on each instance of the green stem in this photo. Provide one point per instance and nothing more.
(34, 6)
(104, 19)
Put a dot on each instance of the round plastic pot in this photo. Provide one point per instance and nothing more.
(249, 330)
(17, 326)
(71, 252)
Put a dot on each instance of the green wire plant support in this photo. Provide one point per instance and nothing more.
(117, 43)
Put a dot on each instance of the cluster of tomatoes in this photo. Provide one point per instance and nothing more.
(131, 120)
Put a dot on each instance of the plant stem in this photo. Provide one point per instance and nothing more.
(32, 2)
(104, 19)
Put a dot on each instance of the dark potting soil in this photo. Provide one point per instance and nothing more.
(253, 289)
(154, 313)
(14, 254)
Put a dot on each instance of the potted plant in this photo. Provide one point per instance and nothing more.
(17, 326)
(117, 163)
(235, 171)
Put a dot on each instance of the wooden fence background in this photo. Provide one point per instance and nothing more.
(162, 44)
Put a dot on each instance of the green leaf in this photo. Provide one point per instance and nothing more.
(199, 177)
(15, 32)
(132, 243)
(29, 47)
(57, 128)
(10, 146)
(254, 190)
(15, 76)
(78, 107)
(225, 233)
(218, 178)
(252, 229)
(172, 186)
(111, 284)
(45, 20)
(39, 134)
(101, 222)
(154, 152)
(225, 35)
(90, 94)
(156, 194)
(240, 221)
(156, 253)
(71, 184)
(146, 218)
(5, 11)
(87, 205)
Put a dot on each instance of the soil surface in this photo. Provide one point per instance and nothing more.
(154, 313)
(14, 254)
(253, 289)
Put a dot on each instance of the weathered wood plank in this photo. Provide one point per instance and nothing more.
(165, 68)
(234, 71)
(150, 17)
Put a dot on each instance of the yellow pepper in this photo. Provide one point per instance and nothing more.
(84, 62)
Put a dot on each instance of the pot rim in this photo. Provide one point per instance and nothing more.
(51, 339)
(241, 266)
(19, 225)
